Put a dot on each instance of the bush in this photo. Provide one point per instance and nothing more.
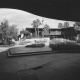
(36, 45)
(63, 44)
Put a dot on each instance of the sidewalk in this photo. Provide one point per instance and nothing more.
(3, 49)
(6, 48)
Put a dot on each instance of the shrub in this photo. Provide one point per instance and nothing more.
(63, 44)
(36, 45)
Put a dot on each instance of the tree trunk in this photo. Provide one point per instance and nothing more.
(35, 32)
(38, 32)
(5, 42)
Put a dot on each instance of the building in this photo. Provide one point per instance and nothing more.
(66, 33)
(24, 34)
(55, 34)
(32, 30)
(69, 33)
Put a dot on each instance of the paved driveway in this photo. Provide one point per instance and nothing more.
(3, 49)
(59, 66)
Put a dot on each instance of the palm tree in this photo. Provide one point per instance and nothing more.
(36, 23)
(39, 23)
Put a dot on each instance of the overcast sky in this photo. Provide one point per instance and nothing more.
(23, 19)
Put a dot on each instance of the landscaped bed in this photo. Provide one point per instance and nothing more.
(36, 45)
(63, 44)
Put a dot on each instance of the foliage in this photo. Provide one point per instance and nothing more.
(36, 45)
(46, 30)
(7, 32)
(46, 27)
(36, 23)
(60, 25)
(66, 24)
(63, 44)
(77, 25)
(13, 31)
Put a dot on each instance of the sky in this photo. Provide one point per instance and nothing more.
(24, 19)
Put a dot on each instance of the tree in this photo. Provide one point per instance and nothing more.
(66, 24)
(46, 29)
(36, 23)
(13, 31)
(7, 32)
(4, 29)
(60, 25)
(76, 25)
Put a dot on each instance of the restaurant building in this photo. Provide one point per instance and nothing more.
(66, 33)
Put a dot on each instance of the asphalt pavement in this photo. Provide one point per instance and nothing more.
(56, 66)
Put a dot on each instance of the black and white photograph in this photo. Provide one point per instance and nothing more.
(39, 40)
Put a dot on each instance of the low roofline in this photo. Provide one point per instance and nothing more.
(51, 28)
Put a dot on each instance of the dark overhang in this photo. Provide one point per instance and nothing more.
(55, 9)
